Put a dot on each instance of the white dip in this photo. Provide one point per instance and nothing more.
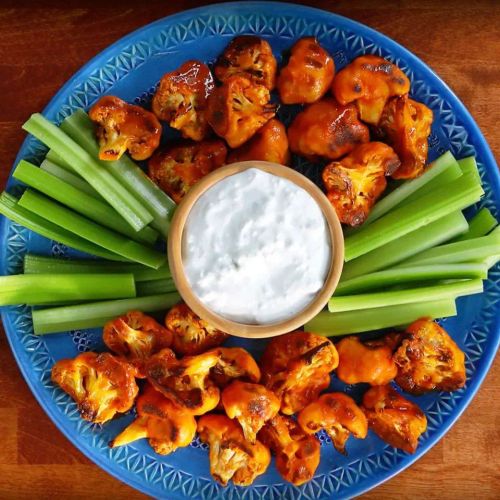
(256, 248)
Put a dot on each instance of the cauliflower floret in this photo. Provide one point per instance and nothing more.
(326, 129)
(101, 384)
(233, 363)
(369, 81)
(429, 360)
(231, 456)
(308, 74)
(122, 127)
(181, 99)
(355, 183)
(248, 56)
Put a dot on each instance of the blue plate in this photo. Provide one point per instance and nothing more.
(130, 69)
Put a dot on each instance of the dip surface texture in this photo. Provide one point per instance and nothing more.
(256, 248)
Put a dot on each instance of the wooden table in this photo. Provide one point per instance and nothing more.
(42, 45)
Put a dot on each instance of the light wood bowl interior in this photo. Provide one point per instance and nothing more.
(224, 324)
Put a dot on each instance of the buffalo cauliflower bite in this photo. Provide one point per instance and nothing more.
(191, 334)
(326, 129)
(429, 360)
(238, 108)
(177, 168)
(122, 126)
(185, 382)
(338, 415)
(308, 74)
(365, 362)
(136, 336)
(181, 99)
(165, 425)
(406, 126)
(369, 81)
(297, 453)
(354, 183)
(231, 456)
(233, 363)
(251, 404)
(270, 143)
(101, 384)
(296, 367)
(393, 418)
(248, 56)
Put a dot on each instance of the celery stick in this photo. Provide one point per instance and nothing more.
(55, 158)
(457, 195)
(79, 225)
(433, 234)
(56, 288)
(9, 207)
(334, 324)
(489, 262)
(469, 166)
(409, 296)
(472, 250)
(40, 264)
(91, 170)
(79, 201)
(81, 129)
(391, 277)
(96, 314)
(155, 287)
(70, 178)
(480, 225)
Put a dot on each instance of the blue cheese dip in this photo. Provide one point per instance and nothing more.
(256, 248)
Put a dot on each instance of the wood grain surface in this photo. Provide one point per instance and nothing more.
(43, 43)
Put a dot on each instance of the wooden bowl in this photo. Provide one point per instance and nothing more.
(233, 327)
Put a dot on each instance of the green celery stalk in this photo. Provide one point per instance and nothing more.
(472, 250)
(390, 277)
(330, 325)
(79, 201)
(409, 296)
(34, 289)
(55, 158)
(469, 166)
(96, 314)
(81, 129)
(40, 264)
(154, 287)
(457, 195)
(490, 261)
(480, 225)
(91, 170)
(10, 208)
(79, 225)
(433, 234)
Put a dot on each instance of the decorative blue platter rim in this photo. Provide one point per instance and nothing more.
(130, 68)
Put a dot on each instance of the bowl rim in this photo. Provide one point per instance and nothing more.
(174, 249)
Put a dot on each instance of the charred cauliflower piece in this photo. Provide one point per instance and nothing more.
(270, 143)
(406, 125)
(355, 183)
(185, 382)
(124, 127)
(251, 404)
(429, 360)
(248, 56)
(308, 75)
(297, 453)
(231, 456)
(365, 362)
(233, 363)
(338, 415)
(191, 334)
(296, 367)
(165, 425)
(177, 168)
(101, 384)
(369, 81)
(326, 129)
(181, 99)
(238, 108)
(393, 418)
(136, 336)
